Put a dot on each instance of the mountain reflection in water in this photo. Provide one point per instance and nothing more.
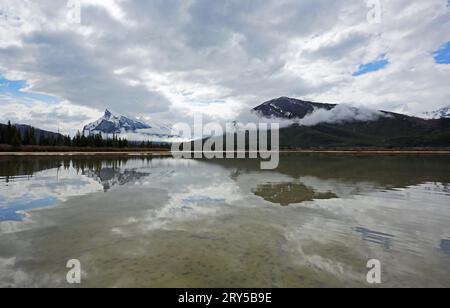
(63, 173)
(290, 193)
(217, 223)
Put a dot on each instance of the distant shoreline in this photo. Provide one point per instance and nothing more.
(91, 153)
(374, 152)
(167, 153)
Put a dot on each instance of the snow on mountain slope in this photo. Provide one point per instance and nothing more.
(439, 114)
(289, 108)
(131, 129)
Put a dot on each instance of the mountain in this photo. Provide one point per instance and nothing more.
(385, 129)
(289, 108)
(110, 177)
(110, 125)
(438, 114)
(38, 133)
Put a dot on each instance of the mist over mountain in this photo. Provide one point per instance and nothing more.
(303, 124)
(289, 108)
(307, 113)
(313, 124)
(124, 127)
(438, 114)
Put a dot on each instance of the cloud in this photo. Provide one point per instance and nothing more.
(340, 114)
(62, 116)
(173, 59)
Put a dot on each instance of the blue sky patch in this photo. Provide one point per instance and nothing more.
(442, 55)
(12, 85)
(14, 89)
(370, 67)
(10, 211)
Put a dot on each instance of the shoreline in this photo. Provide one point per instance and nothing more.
(373, 152)
(169, 153)
(93, 153)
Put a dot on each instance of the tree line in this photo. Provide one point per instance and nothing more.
(11, 135)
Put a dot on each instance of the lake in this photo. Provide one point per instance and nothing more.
(315, 221)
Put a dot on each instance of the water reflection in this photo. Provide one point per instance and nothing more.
(193, 223)
(11, 212)
(110, 177)
(445, 246)
(40, 182)
(376, 237)
(290, 193)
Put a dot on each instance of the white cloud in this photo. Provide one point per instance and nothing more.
(63, 116)
(176, 58)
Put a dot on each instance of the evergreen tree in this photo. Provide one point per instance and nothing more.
(77, 139)
(15, 136)
(43, 140)
(9, 133)
(2, 134)
(67, 141)
(25, 137)
(32, 136)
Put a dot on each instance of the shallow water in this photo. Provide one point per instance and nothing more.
(313, 222)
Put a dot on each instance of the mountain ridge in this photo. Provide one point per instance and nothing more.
(38, 133)
(440, 113)
(391, 130)
(290, 108)
(129, 128)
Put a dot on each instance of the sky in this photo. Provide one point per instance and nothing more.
(172, 59)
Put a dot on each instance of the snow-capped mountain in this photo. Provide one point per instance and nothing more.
(289, 108)
(110, 177)
(439, 114)
(131, 129)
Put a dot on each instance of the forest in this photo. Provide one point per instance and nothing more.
(29, 136)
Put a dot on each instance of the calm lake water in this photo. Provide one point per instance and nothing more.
(139, 222)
